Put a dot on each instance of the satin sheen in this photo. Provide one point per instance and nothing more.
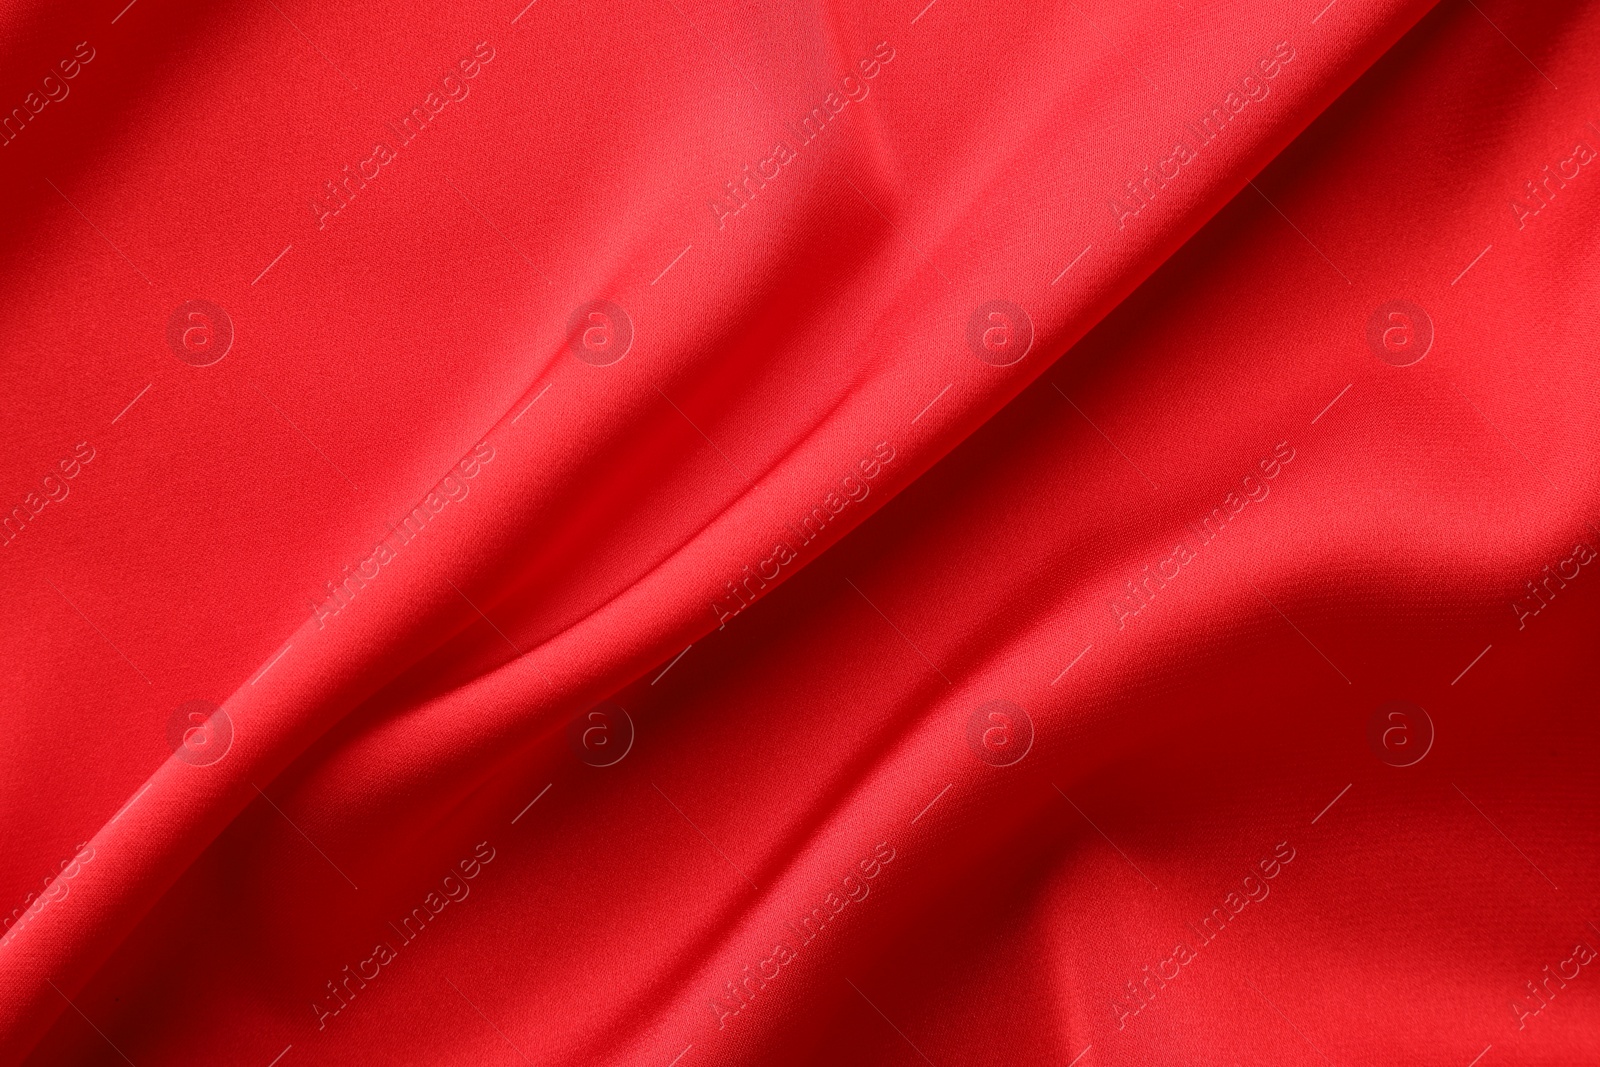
(688, 533)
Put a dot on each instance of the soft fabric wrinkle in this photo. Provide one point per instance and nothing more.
(405, 721)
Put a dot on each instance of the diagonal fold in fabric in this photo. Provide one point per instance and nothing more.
(708, 373)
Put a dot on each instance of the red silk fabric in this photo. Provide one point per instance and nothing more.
(681, 533)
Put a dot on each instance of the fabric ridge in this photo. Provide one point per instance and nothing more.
(696, 533)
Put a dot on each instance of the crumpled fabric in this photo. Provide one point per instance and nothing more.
(689, 533)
